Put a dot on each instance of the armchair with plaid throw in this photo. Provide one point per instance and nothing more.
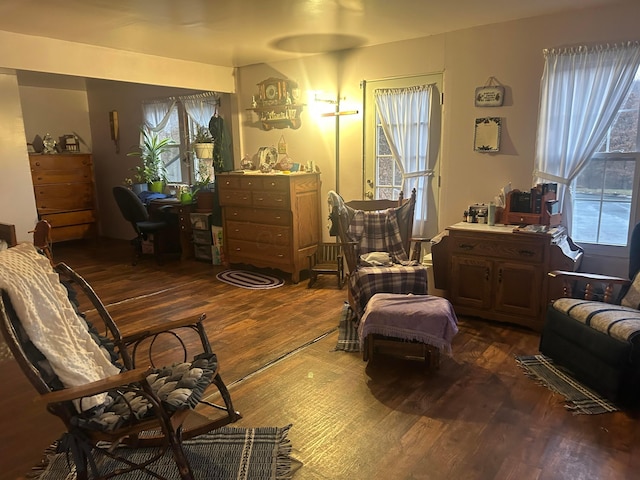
(376, 238)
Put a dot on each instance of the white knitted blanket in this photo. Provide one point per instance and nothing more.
(48, 317)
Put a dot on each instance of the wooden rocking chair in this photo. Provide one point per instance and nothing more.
(137, 407)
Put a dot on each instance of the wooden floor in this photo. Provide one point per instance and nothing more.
(478, 417)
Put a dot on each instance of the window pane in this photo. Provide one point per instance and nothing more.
(383, 145)
(624, 132)
(385, 171)
(602, 201)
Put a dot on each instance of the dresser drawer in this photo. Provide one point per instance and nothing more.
(54, 198)
(268, 216)
(70, 218)
(270, 199)
(225, 182)
(240, 251)
(524, 251)
(279, 184)
(235, 197)
(58, 162)
(251, 182)
(257, 233)
(80, 175)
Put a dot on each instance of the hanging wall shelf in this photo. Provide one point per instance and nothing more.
(276, 105)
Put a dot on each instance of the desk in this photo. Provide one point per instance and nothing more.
(182, 232)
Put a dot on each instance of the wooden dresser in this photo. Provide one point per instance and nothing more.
(65, 194)
(495, 273)
(270, 220)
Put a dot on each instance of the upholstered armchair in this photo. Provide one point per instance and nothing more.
(376, 239)
(597, 337)
(85, 370)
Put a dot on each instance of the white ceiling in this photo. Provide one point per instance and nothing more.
(243, 32)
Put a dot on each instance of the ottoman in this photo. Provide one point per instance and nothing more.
(423, 325)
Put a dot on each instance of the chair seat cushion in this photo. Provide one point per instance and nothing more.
(619, 322)
(178, 387)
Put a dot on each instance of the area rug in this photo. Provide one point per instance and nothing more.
(348, 331)
(224, 454)
(250, 280)
(579, 399)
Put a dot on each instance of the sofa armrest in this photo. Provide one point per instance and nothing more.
(589, 278)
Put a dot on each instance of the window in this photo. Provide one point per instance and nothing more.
(587, 141)
(402, 138)
(604, 194)
(179, 119)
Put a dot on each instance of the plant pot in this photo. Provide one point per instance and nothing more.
(205, 201)
(157, 187)
(138, 188)
(186, 198)
(203, 150)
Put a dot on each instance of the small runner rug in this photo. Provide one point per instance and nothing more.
(250, 280)
(579, 398)
(224, 454)
(348, 331)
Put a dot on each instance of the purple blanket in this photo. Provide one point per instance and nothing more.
(425, 318)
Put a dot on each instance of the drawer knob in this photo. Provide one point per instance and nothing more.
(466, 246)
(526, 253)
(260, 199)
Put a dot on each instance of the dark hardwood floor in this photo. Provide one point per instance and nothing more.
(478, 417)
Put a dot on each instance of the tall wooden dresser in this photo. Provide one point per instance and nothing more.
(500, 273)
(270, 220)
(65, 194)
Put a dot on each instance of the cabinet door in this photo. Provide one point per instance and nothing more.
(471, 282)
(518, 288)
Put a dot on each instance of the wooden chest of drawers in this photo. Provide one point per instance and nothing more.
(270, 220)
(65, 196)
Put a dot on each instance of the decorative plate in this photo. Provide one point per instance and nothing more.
(268, 158)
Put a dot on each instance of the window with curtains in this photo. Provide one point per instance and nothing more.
(403, 150)
(588, 142)
(604, 190)
(178, 118)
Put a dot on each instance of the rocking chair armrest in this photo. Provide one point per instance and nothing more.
(94, 388)
(164, 327)
(590, 277)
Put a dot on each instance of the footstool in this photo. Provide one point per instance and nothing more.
(421, 324)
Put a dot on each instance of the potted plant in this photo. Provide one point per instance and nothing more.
(202, 191)
(152, 171)
(203, 143)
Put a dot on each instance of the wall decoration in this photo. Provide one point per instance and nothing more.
(487, 134)
(490, 95)
(277, 105)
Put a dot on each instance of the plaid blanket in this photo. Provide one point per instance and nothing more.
(378, 231)
(365, 282)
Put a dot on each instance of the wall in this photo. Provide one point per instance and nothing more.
(17, 202)
(511, 52)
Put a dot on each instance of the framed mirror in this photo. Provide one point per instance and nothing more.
(487, 134)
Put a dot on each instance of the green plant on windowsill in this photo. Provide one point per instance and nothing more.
(150, 152)
(203, 143)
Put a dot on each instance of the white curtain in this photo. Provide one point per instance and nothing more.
(201, 107)
(156, 113)
(405, 116)
(581, 91)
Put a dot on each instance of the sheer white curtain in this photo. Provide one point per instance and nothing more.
(156, 113)
(581, 91)
(201, 107)
(405, 116)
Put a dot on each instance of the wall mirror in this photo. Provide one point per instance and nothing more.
(487, 134)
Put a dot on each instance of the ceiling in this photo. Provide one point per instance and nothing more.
(237, 33)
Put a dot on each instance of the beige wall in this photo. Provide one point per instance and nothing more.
(511, 52)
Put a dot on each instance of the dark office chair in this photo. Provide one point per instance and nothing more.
(134, 211)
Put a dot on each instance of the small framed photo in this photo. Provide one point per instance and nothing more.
(492, 96)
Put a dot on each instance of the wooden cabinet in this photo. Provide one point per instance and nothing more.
(65, 194)
(270, 220)
(495, 273)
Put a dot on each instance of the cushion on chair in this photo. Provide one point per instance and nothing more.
(179, 386)
(617, 321)
(632, 297)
